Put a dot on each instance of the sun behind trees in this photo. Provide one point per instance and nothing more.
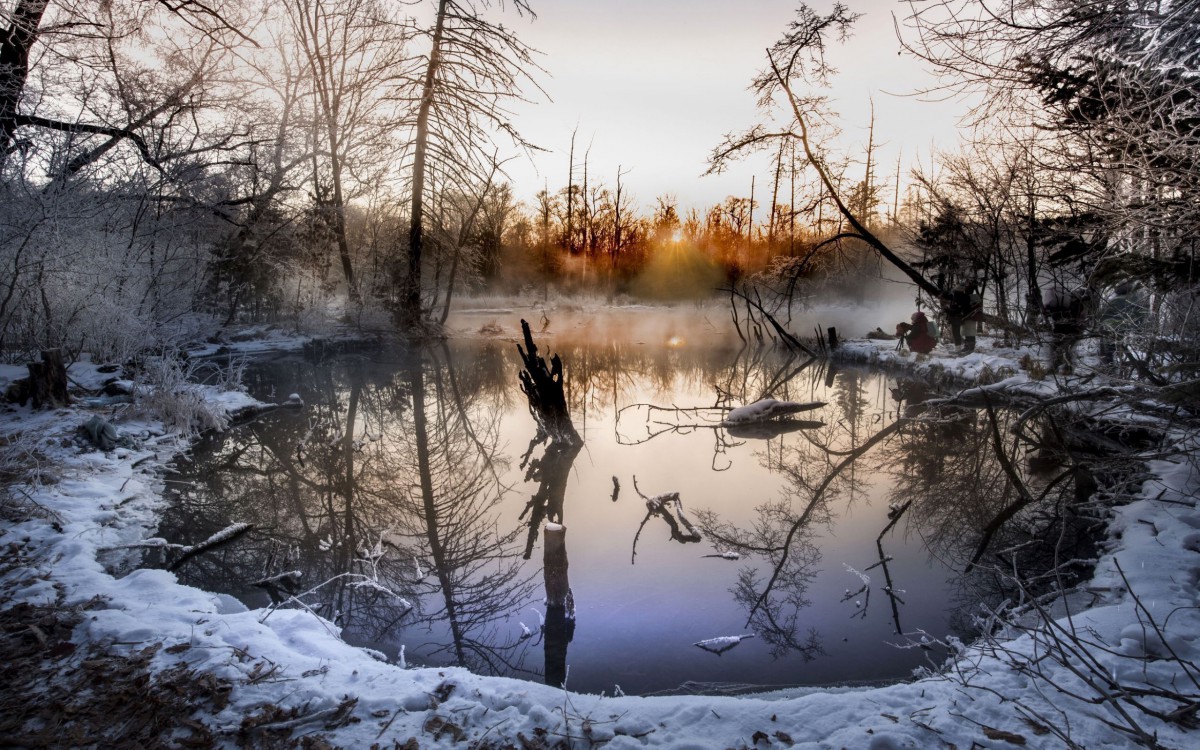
(277, 162)
(181, 167)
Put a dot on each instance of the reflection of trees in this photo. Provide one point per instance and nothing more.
(391, 476)
(1010, 507)
(453, 502)
(951, 484)
(785, 541)
(602, 376)
(753, 374)
(295, 476)
(784, 537)
(818, 469)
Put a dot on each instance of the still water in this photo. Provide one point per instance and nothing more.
(398, 503)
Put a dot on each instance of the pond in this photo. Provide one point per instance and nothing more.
(406, 501)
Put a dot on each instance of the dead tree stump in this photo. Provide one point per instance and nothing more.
(48, 381)
(554, 565)
(543, 386)
(560, 608)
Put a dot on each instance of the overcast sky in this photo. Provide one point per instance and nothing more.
(654, 84)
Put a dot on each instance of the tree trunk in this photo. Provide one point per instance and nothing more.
(555, 564)
(855, 222)
(15, 43)
(560, 617)
(409, 314)
(339, 221)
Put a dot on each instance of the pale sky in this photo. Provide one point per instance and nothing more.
(654, 84)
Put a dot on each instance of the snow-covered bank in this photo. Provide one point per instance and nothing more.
(288, 671)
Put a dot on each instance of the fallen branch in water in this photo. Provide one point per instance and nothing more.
(222, 537)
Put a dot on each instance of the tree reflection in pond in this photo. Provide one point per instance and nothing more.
(384, 492)
(395, 485)
(952, 472)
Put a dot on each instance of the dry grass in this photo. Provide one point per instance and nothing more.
(54, 694)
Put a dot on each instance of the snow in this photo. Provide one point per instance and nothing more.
(90, 504)
(721, 644)
(766, 409)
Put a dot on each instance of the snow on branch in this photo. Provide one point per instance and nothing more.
(224, 536)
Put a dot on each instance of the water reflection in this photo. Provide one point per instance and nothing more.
(383, 498)
(407, 501)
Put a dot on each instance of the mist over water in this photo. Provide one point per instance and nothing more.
(878, 303)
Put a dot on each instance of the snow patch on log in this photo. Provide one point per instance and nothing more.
(767, 409)
(720, 645)
(224, 535)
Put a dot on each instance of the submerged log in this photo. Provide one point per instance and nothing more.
(771, 429)
(767, 409)
(219, 539)
(720, 645)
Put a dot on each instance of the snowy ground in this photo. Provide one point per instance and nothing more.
(289, 674)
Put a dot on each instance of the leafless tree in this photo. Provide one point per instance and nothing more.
(111, 156)
(354, 53)
(799, 58)
(473, 67)
(1113, 82)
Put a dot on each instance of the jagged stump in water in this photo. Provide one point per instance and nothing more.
(543, 386)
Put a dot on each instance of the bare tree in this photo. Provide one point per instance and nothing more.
(354, 52)
(135, 146)
(68, 42)
(800, 56)
(456, 226)
(1114, 82)
(473, 67)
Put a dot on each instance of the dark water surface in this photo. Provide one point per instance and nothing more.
(399, 500)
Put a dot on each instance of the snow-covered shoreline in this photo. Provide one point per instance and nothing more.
(293, 661)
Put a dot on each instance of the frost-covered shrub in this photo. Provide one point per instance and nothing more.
(83, 272)
(113, 333)
(167, 391)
